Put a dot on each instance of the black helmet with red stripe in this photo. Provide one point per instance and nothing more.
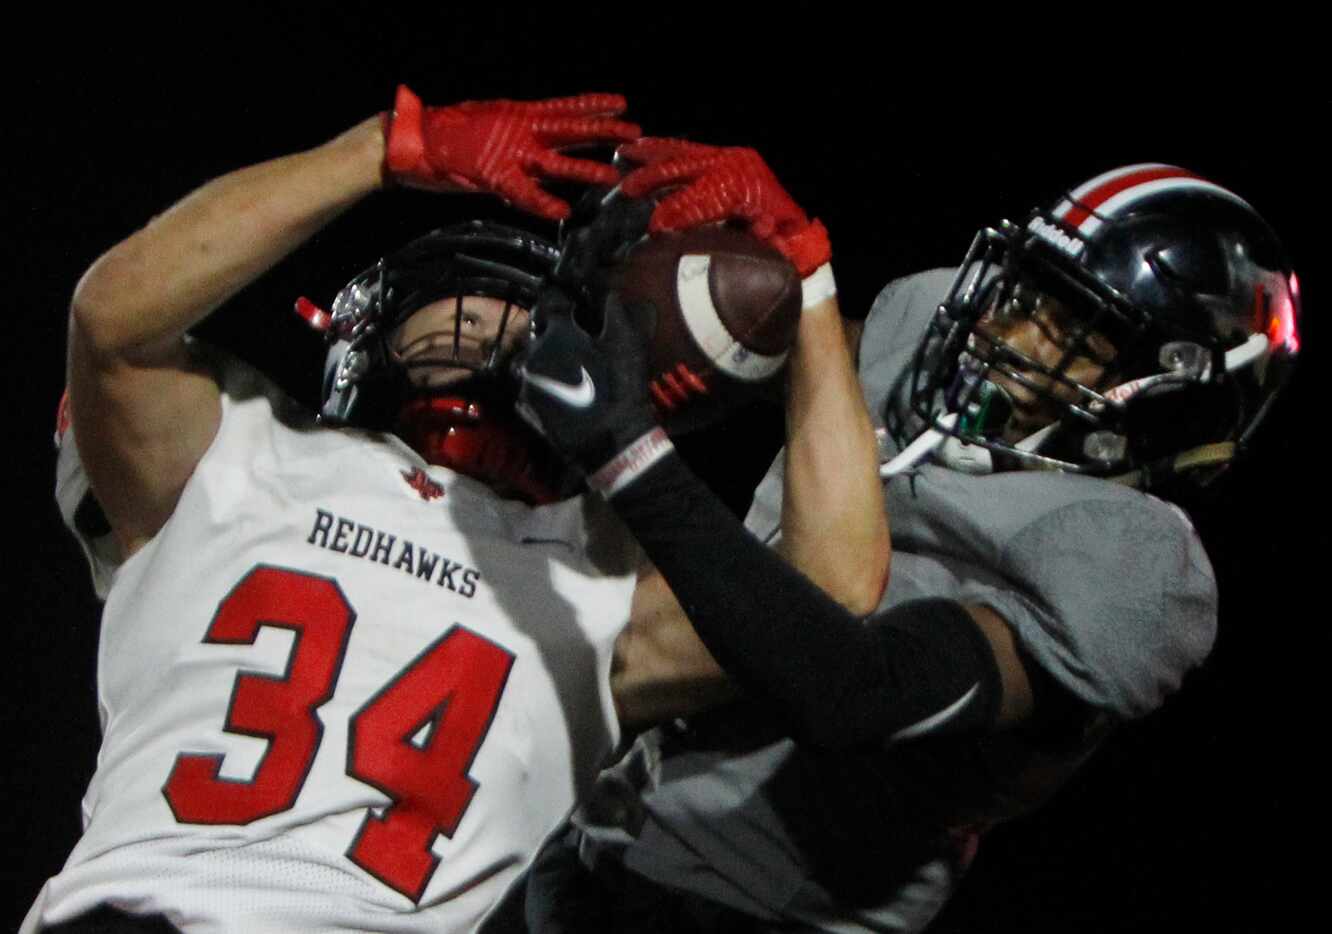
(1139, 329)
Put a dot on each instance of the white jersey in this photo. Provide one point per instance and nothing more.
(342, 689)
(73, 496)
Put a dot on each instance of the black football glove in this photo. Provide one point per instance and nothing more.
(588, 395)
(605, 225)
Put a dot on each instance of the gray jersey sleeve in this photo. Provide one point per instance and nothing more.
(893, 330)
(1118, 599)
(1107, 589)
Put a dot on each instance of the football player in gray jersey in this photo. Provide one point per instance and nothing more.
(1040, 412)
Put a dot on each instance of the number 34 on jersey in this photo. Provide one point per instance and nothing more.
(414, 740)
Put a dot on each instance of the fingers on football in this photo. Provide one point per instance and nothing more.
(577, 131)
(763, 226)
(638, 318)
(707, 201)
(665, 174)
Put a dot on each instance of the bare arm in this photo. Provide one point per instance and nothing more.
(660, 668)
(144, 411)
(834, 527)
(833, 530)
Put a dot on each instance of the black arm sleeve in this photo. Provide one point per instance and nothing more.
(834, 679)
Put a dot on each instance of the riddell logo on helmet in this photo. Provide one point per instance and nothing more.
(1052, 234)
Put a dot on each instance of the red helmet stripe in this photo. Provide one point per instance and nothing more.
(1085, 202)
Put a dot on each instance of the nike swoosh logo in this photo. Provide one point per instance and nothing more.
(938, 719)
(579, 395)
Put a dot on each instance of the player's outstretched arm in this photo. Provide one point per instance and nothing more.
(834, 526)
(833, 530)
(833, 522)
(144, 410)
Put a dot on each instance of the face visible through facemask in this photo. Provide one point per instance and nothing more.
(1047, 353)
(469, 430)
(449, 340)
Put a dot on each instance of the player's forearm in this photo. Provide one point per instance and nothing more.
(833, 678)
(834, 528)
(140, 297)
(660, 669)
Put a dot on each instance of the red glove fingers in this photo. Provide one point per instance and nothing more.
(669, 172)
(708, 199)
(555, 165)
(587, 105)
(717, 184)
(504, 147)
(523, 192)
(578, 131)
(651, 149)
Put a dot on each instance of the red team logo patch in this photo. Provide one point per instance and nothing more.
(419, 481)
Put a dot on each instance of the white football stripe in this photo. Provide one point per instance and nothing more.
(706, 328)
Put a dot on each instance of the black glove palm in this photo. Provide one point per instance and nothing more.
(587, 395)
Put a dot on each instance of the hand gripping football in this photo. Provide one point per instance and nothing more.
(727, 308)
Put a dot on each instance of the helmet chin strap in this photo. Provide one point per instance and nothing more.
(969, 458)
(1208, 455)
(955, 453)
(926, 443)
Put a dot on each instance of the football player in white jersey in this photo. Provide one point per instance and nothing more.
(319, 646)
(349, 679)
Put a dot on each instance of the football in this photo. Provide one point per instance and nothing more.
(727, 310)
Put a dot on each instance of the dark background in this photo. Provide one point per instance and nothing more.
(1206, 815)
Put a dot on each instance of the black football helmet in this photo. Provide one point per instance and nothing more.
(1168, 313)
(365, 384)
(467, 425)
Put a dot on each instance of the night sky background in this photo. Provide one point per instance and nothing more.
(1210, 814)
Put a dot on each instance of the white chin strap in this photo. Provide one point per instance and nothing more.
(1247, 353)
(957, 454)
(975, 458)
(925, 444)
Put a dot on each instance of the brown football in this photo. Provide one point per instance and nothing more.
(727, 309)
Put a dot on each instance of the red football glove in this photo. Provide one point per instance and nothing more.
(503, 147)
(723, 183)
